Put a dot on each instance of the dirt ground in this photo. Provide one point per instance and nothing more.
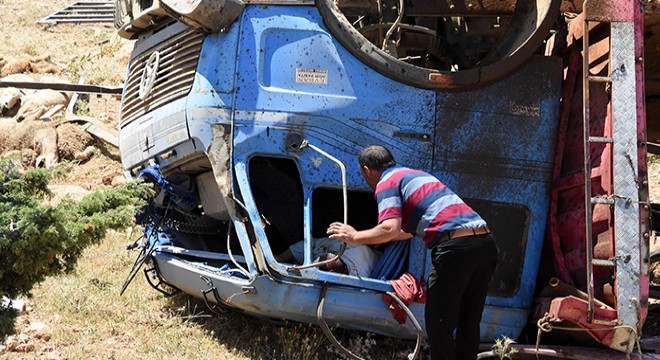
(64, 52)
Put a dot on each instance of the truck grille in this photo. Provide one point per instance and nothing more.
(174, 78)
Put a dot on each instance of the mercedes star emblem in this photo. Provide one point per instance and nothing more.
(149, 75)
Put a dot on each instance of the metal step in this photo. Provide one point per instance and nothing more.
(599, 79)
(608, 200)
(603, 262)
(600, 139)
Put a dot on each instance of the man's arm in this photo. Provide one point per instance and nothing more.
(388, 230)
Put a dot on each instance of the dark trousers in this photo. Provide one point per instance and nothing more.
(456, 293)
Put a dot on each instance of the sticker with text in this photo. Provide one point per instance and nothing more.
(312, 76)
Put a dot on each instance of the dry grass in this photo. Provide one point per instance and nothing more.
(90, 320)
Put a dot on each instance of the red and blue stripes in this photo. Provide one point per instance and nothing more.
(429, 208)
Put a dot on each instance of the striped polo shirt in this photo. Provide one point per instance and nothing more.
(426, 206)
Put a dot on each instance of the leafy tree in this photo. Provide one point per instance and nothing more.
(38, 240)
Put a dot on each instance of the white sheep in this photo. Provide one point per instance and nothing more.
(33, 106)
(10, 100)
(10, 97)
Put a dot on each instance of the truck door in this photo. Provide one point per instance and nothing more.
(495, 146)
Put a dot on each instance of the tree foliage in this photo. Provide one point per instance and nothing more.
(38, 240)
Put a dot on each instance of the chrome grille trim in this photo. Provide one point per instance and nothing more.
(179, 57)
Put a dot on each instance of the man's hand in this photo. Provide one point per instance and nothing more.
(343, 232)
(388, 230)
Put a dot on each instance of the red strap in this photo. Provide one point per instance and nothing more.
(409, 290)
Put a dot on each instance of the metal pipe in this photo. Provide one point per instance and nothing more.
(564, 289)
(64, 87)
(394, 27)
(587, 165)
(304, 144)
(344, 187)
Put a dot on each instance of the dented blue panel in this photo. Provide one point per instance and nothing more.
(293, 74)
(277, 77)
(496, 151)
(212, 94)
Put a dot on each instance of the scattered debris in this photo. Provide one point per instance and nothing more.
(26, 341)
(82, 12)
(114, 180)
(89, 124)
(19, 343)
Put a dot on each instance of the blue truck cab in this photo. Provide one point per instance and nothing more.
(250, 115)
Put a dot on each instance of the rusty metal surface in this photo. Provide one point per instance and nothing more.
(529, 27)
(459, 7)
(568, 227)
(618, 172)
(644, 199)
(571, 6)
(610, 10)
(574, 353)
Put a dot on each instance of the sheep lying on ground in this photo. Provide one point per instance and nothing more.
(30, 104)
(35, 105)
(10, 98)
(40, 136)
(43, 143)
(37, 64)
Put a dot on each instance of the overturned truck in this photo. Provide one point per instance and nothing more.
(248, 115)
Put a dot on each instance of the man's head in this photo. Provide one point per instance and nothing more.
(373, 161)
